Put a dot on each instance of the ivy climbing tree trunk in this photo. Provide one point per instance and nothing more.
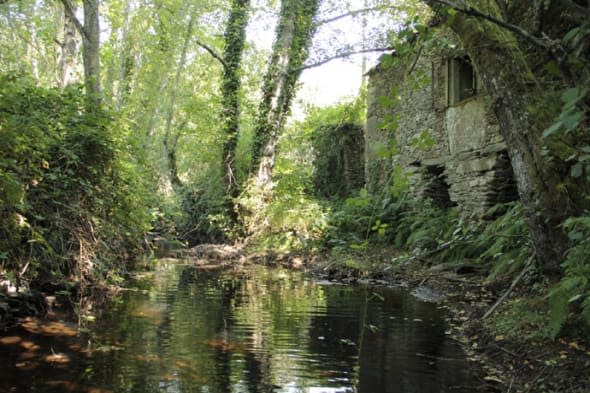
(523, 112)
(125, 60)
(290, 50)
(235, 38)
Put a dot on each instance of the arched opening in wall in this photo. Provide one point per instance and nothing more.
(436, 187)
(503, 187)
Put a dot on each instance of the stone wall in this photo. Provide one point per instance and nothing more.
(399, 110)
(467, 165)
(339, 164)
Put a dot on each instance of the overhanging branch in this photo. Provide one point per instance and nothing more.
(344, 56)
(350, 13)
(470, 11)
(213, 53)
(69, 9)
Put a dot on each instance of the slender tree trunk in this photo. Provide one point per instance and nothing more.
(235, 38)
(90, 33)
(171, 141)
(290, 50)
(517, 100)
(69, 51)
(125, 61)
(91, 51)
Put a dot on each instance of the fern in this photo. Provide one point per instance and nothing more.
(569, 299)
(506, 241)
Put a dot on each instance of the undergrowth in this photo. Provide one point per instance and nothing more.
(72, 197)
(569, 299)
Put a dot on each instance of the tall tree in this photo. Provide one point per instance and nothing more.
(90, 33)
(524, 109)
(69, 51)
(235, 38)
(170, 137)
(290, 50)
(125, 59)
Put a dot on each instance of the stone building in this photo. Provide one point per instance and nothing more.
(429, 115)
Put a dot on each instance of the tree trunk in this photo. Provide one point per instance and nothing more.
(171, 141)
(235, 38)
(125, 61)
(517, 100)
(290, 50)
(90, 33)
(91, 51)
(69, 51)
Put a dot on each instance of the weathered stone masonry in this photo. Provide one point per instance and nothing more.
(467, 165)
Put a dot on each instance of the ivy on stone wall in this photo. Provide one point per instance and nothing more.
(339, 164)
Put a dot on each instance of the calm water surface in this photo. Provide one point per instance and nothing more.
(255, 331)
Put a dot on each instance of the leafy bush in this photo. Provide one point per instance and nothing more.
(506, 241)
(569, 299)
(202, 217)
(72, 200)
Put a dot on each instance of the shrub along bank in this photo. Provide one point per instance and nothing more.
(74, 203)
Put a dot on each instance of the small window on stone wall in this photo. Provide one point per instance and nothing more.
(462, 80)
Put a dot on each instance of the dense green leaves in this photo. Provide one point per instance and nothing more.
(64, 185)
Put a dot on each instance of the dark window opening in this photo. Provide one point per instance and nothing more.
(436, 187)
(462, 80)
(503, 186)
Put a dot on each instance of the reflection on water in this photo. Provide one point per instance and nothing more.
(253, 331)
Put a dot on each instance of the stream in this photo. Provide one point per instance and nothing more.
(188, 329)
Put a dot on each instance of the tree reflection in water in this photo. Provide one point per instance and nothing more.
(252, 331)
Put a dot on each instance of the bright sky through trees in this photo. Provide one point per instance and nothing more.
(336, 80)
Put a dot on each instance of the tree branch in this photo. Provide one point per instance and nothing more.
(470, 11)
(213, 53)
(343, 56)
(347, 14)
(69, 10)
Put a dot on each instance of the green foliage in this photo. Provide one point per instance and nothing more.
(202, 217)
(338, 162)
(505, 241)
(292, 219)
(571, 115)
(521, 319)
(362, 220)
(338, 114)
(569, 299)
(338, 144)
(424, 226)
(72, 200)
